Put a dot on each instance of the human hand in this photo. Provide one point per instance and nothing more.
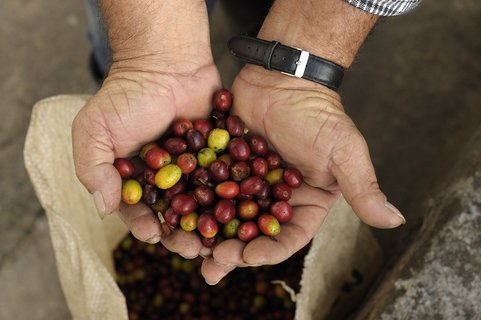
(306, 124)
(161, 71)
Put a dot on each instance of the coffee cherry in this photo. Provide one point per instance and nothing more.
(269, 225)
(230, 228)
(181, 126)
(207, 225)
(239, 149)
(247, 231)
(247, 210)
(218, 171)
(282, 210)
(183, 204)
(204, 126)
(209, 242)
(251, 185)
(195, 140)
(187, 162)
(239, 171)
(281, 191)
(146, 148)
(157, 158)
(218, 140)
(292, 177)
(189, 222)
(125, 167)
(227, 189)
(200, 176)
(175, 145)
(242, 197)
(235, 126)
(176, 189)
(265, 192)
(149, 176)
(218, 118)
(168, 176)
(259, 167)
(273, 160)
(205, 157)
(224, 211)
(172, 218)
(160, 206)
(226, 158)
(222, 100)
(204, 195)
(150, 194)
(264, 203)
(131, 191)
(274, 176)
(258, 145)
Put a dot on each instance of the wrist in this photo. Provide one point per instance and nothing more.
(158, 35)
(331, 29)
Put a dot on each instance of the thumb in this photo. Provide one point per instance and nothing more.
(354, 172)
(93, 157)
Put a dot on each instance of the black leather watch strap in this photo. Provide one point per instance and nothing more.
(290, 61)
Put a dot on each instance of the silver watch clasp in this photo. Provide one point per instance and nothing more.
(301, 65)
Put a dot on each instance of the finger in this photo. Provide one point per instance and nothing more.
(353, 169)
(185, 243)
(213, 272)
(141, 221)
(308, 195)
(294, 236)
(93, 157)
(230, 252)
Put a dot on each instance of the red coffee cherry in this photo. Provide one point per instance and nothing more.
(125, 167)
(222, 100)
(181, 126)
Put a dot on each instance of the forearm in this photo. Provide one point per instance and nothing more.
(166, 30)
(331, 29)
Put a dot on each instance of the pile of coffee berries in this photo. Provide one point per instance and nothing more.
(212, 177)
(159, 284)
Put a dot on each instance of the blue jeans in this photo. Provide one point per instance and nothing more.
(97, 34)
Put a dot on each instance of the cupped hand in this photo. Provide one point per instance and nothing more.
(306, 124)
(135, 106)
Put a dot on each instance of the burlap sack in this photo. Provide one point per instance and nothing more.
(83, 243)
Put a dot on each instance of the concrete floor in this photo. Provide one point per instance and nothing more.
(414, 93)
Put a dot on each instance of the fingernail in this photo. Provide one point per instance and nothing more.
(396, 211)
(99, 204)
(154, 239)
(212, 283)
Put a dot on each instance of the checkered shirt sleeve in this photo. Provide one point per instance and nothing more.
(385, 7)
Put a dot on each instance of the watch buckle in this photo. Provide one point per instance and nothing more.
(301, 65)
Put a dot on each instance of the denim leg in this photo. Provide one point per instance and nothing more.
(97, 33)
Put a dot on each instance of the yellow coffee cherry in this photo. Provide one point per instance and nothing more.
(189, 222)
(131, 191)
(167, 176)
(218, 139)
(205, 157)
(274, 176)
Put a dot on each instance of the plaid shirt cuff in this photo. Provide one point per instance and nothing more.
(385, 7)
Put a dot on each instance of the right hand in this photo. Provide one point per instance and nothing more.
(135, 106)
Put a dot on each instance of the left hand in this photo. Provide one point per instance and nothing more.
(306, 124)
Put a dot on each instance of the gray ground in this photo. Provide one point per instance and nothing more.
(414, 93)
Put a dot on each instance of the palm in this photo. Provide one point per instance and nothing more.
(131, 109)
(137, 112)
(299, 125)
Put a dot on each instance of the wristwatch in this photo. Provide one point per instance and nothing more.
(290, 61)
